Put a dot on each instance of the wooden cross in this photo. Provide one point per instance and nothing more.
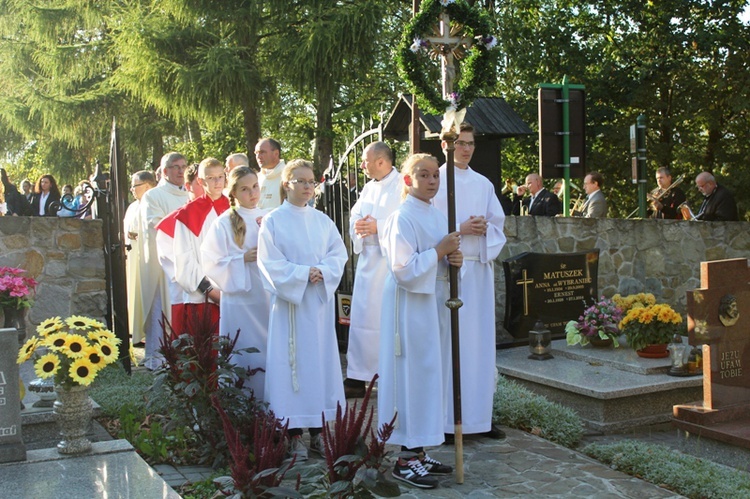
(447, 45)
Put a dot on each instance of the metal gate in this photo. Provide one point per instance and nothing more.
(341, 187)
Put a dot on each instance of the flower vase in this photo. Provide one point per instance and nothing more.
(73, 411)
(15, 318)
(653, 351)
(596, 341)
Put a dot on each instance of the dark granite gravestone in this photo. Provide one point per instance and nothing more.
(719, 319)
(11, 443)
(551, 288)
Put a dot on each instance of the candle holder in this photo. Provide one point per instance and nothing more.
(677, 351)
(540, 342)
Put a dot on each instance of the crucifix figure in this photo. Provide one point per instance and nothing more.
(447, 45)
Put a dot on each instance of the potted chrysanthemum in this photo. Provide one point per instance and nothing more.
(72, 351)
(650, 328)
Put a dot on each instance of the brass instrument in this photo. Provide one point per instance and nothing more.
(687, 213)
(524, 210)
(657, 194)
(510, 186)
(577, 207)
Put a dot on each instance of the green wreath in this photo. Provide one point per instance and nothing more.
(477, 70)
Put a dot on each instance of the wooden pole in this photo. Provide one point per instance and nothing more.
(454, 303)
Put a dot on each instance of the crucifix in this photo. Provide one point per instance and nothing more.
(448, 44)
(525, 282)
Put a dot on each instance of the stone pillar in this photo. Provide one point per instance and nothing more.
(11, 441)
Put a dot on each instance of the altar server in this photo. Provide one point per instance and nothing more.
(230, 253)
(301, 256)
(414, 316)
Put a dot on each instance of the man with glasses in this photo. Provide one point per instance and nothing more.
(140, 182)
(268, 156)
(481, 219)
(154, 206)
(718, 203)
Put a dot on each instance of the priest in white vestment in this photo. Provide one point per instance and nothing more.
(268, 156)
(155, 205)
(481, 220)
(379, 198)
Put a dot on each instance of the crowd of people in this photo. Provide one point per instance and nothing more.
(247, 246)
(43, 199)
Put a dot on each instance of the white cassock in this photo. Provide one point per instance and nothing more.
(378, 199)
(155, 204)
(270, 186)
(244, 302)
(475, 195)
(411, 378)
(131, 225)
(303, 369)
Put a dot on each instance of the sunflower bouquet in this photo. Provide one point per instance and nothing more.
(73, 351)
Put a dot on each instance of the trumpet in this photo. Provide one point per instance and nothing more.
(687, 213)
(577, 207)
(510, 186)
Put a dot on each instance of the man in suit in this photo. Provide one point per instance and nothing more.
(718, 202)
(595, 205)
(541, 202)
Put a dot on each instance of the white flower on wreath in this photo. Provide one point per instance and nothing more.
(446, 3)
(489, 41)
(417, 45)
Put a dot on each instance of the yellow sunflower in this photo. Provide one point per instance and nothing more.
(94, 356)
(82, 371)
(49, 326)
(47, 365)
(108, 351)
(55, 341)
(75, 345)
(81, 323)
(104, 334)
(27, 350)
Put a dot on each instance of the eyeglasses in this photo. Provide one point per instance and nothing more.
(132, 187)
(305, 183)
(463, 143)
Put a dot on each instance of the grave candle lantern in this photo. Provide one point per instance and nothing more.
(540, 342)
(676, 352)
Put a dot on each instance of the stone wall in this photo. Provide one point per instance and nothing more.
(657, 256)
(65, 256)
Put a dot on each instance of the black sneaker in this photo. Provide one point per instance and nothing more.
(414, 473)
(434, 467)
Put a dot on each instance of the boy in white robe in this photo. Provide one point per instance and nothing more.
(193, 222)
(229, 254)
(301, 256)
(379, 198)
(481, 219)
(410, 386)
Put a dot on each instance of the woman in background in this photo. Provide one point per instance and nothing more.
(45, 194)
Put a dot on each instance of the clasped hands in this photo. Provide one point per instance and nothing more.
(474, 226)
(366, 226)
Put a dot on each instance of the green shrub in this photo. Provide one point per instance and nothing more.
(114, 389)
(517, 407)
(687, 475)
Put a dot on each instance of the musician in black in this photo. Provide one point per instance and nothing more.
(718, 203)
(667, 198)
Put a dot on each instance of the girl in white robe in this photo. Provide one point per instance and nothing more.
(301, 256)
(229, 255)
(410, 385)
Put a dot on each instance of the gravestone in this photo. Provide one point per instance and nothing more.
(719, 319)
(551, 288)
(11, 442)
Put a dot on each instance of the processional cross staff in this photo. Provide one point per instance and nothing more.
(446, 46)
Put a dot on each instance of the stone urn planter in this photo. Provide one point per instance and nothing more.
(73, 411)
